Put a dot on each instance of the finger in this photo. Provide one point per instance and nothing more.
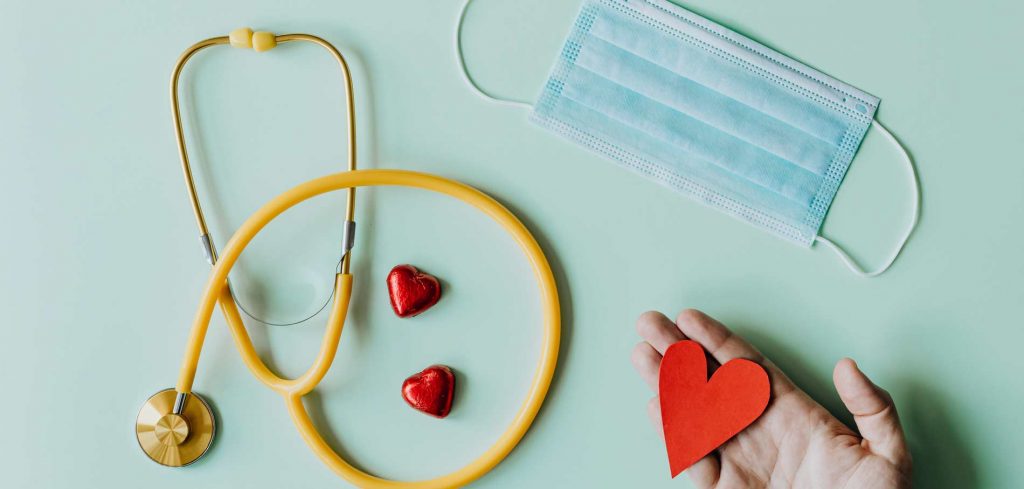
(706, 472)
(724, 345)
(873, 410)
(654, 412)
(658, 330)
(646, 361)
(703, 473)
(719, 341)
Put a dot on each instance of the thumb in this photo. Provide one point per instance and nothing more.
(873, 411)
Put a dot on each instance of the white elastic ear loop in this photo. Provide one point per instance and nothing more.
(465, 73)
(850, 263)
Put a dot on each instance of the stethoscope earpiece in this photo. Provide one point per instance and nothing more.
(245, 38)
(241, 38)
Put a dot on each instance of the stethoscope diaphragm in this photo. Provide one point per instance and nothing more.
(175, 432)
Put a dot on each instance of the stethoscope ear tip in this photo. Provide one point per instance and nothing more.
(241, 38)
(175, 429)
(245, 38)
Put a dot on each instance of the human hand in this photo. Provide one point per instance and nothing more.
(796, 442)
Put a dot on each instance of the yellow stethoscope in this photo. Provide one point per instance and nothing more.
(176, 426)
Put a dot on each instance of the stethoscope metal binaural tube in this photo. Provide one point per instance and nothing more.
(173, 427)
(238, 38)
(247, 39)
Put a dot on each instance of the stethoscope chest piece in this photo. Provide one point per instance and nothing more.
(175, 430)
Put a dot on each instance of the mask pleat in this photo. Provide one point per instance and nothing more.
(629, 138)
(713, 108)
(729, 79)
(692, 136)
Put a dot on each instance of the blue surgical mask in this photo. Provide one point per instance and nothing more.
(709, 113)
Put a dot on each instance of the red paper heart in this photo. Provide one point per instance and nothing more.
(698, 414)
(412, 291)
(431, 390)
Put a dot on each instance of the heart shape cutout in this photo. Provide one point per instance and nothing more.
(700, 414)
(431, 390)
(412, 291)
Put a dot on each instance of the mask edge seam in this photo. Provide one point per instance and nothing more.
(747, 65)
(830, 186)
(754, 50)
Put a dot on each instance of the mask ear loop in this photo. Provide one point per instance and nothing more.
(465, 72)
(847, 260)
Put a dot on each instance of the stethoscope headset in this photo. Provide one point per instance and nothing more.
(175, 426)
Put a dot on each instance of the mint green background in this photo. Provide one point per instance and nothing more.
(100, 269)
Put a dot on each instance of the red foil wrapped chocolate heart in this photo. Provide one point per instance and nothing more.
(431, 390)
(412, 291)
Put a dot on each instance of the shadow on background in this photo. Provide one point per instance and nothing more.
(314, 403)
(812, 380)
(941, 457)
(564, 302)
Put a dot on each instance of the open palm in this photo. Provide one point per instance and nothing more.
(796, 442)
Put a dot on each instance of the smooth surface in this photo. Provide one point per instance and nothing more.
(101, 270)
(170, 439)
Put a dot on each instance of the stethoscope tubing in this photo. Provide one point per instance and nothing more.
(293, 390)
